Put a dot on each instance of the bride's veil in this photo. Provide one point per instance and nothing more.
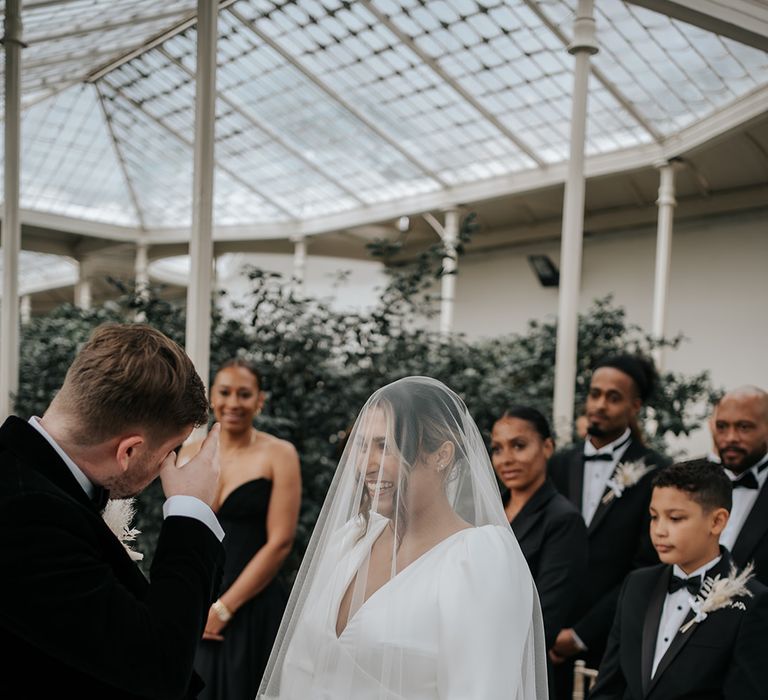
(413, 585)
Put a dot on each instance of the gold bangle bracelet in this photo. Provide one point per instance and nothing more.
(222, 611)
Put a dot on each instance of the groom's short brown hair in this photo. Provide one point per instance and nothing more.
(128, 377)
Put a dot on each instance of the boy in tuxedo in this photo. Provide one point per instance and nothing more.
(658, 647)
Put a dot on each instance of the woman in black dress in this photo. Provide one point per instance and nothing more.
(550, 530)
(258, 507)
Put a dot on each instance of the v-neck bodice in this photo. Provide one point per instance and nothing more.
(398, 643)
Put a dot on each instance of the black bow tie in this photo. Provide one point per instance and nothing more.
(693, 584)
(100, 497)
(599, 457)
(746, 481)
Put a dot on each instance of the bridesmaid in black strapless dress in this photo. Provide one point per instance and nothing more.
(232, 668)
(257, 506)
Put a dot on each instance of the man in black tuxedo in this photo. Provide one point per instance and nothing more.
(740, 432)
(617, 518)
(659, 648)
(78, 618)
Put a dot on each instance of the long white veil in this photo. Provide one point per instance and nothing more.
(413, 585)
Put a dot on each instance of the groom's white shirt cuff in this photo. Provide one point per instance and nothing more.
(185, 506)
(191, 507)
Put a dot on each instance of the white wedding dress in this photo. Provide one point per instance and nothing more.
(462, 620)
(449, 620)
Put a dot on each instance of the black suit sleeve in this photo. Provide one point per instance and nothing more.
(62, 595)
(748, 672)
(562, 570)
(611, 683)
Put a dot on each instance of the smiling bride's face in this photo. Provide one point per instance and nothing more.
(379, 462)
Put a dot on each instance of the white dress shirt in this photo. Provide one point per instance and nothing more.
(743, 501)
(673, 614)
(185, 506)
(597, 472)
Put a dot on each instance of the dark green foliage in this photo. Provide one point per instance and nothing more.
(320, 365)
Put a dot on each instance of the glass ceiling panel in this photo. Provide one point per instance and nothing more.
(327, 106)
(159, 164)
(69, 164)
(317, 134)
(348, 47)
(672, 72)
(68, 40)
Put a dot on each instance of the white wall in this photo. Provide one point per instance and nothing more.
(718, 294)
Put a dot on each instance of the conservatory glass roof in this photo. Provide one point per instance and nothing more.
(327, 107)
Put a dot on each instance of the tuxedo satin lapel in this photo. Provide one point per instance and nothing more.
(633, 452)
(576, 476)
(31, 448)
(681, 638)
(755, 528)
(651, 627)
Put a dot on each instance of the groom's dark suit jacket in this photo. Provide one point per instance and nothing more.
(619, 538)
(721, 658)
(78, 618)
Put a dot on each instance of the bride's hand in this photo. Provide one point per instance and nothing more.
(213, 627)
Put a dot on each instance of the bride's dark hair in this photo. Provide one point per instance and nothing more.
(421, 420)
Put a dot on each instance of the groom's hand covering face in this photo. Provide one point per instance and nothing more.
(199, 476)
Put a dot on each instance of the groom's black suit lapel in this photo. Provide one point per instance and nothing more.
(681, 638)
(634, 452)
(32, 449)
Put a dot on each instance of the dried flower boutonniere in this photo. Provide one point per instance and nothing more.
(718, 593)
(118, 515)
(626, 475)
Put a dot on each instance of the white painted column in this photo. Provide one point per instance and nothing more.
(141, 268)
(198, 340)
(83, 290)
(584, 45)
(11, 227)
(25, 309)
(666, 203)
(448, 292)
(299, 263)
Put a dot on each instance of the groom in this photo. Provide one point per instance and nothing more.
(77, 616)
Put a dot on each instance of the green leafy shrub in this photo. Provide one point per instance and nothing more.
(320, 365)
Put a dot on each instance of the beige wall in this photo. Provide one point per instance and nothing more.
(718, 295)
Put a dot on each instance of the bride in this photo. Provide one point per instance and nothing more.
(413, 586)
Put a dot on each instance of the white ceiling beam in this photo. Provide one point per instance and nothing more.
(465, 95)
(745, 21)
(337, 98)
(83, 227)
